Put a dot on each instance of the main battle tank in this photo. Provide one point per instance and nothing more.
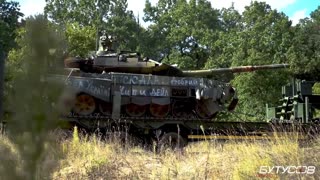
(122, 84)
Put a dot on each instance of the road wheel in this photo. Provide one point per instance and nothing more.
(135, 110)
(84, 104)
(105, 108)
(158, 110)
(202, 111)
(171, 141)
(181, 109)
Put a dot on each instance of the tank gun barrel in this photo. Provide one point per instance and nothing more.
(238, 69)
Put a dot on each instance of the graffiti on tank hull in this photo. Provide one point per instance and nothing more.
(146, 91)
(98, 88)
(155, 80)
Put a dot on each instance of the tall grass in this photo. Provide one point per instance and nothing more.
(91, 157)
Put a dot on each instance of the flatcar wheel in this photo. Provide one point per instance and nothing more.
(180, 109)
(171, 141)
(159, 111)
(135, 110)
(84, 105)
(105, 108)
(201, 111)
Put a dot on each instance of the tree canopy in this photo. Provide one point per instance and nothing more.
(304, 54)
(83, 19)
(9, 16)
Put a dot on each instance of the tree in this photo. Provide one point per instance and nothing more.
(15, 63)
(83, 19)
(304, 53)
(226, 45)
(180, 28)
(9, 16)
(123, 25)
(80, 40)
(84, 12)
(265, 38)
(34, 99)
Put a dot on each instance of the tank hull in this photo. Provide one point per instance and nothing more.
(139, 95)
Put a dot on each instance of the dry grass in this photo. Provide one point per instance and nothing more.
(91, 158)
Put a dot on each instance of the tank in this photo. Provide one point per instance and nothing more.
(122, 84)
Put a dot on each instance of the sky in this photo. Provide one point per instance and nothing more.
(294, 9)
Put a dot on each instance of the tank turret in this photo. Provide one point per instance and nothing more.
(107, 59)
(118, 84)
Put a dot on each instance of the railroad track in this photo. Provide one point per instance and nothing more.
(194, 129)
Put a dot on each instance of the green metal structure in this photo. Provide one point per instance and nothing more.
(298, 103)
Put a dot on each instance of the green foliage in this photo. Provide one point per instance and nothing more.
(181, 28)
(255, 90)
(9, 15)
(75, 137)
(305, 50)
(14, 64)
(316, 88)
(264, 38)
(225, 46)
(122, 24)
(183, 62)
(84, 12)
(82, 19)
(80, 39)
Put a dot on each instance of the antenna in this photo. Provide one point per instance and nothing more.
(97, 39)
(139, 33)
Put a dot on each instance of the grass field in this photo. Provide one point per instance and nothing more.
(89, 157)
